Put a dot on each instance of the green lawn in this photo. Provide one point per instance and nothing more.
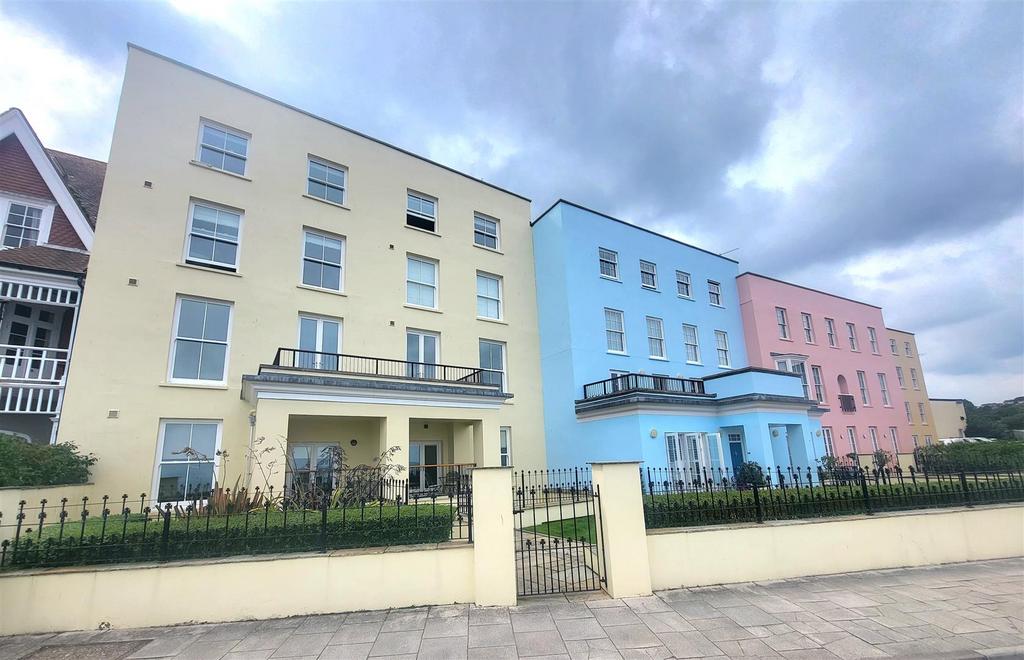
(583, 528)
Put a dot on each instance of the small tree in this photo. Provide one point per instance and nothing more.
(749, 474)
(882, 458)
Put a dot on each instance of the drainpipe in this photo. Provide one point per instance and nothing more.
(80, 281)
(248, 455)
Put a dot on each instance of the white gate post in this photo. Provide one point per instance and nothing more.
(622, 534)
(494, 556)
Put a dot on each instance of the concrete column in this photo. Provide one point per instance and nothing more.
(623, 536)
(485, 443)
(494, 557)
(395, 433)
(462, 442)
(268, 451)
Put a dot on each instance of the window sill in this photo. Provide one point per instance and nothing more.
(695, 364)
(681, 297)
(487, 320)
(482, 247)
(711, 304)
(650, 288)
(610, 279)
(621, 353)
(423, 309)
(327, 202)
(786, 339)
(217, 169)
(196, 385)
(423, 231)
(318, 289)
(208, 269)
(659, 359)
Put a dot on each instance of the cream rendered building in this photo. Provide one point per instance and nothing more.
(910, 377)
(950, 418)
(267, 283)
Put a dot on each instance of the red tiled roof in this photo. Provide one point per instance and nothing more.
(44, 257)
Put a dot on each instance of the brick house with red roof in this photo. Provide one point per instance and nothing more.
(48, 205)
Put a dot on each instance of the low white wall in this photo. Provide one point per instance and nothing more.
(698, 556)
(10, 496)
(235, 588)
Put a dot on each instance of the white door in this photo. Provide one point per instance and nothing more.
(29, 326)
(424, 457)
(421, 350)
(319, 342)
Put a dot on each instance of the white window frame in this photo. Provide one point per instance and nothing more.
(505, 446)
(695, 344)
(830, 332)
(883, 384)
(892, 346)
(851, 335)
(715, 293)
(45, 218)
(920, 412)
(231, 131)
(215, 459)
(722, 348)
(621, 333)
(818, 378)
(220, 208)
(900, 377)
(906, 349)
(830, 447)
(504, 359)
(614, 261)
(435, 285)
(423, 197)
(782, 322)
(873, 435)
(174, 341)
(873, 340)
(323, 162)
(916, 441)
(652, 271)
(341, 265)
(808, 325)
(913, 379)
(320, 319)
(862, 383)
(685, 282)
(657, 340)
(927, 441)
(894, 436)
(500, 299)
(910, 415)
(851, 435)
(497, 232)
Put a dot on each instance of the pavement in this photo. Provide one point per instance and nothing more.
(966, 610)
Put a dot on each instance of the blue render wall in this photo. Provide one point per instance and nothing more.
(572, 297)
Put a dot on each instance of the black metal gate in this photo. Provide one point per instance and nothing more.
(559, 545)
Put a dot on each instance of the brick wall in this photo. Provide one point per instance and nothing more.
(19, 175)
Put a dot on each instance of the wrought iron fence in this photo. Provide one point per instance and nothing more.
(571, 484)
(687, 497)
(364, 365)
(123, 529)
(642, 383)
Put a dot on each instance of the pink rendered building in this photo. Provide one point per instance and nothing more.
(840, 347)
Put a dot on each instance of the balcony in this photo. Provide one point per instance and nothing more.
(364, 377)
(629, 383)
(31, 378)
(847, 403)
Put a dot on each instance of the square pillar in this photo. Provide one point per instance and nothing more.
(494, 558)
(485, 443)
(622, 541)
(462, 443)
(266, 457)
(394, 430)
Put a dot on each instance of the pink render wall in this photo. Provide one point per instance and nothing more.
(759, 296)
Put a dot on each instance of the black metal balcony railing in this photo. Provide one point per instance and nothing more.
(847, 403)
(362, 365)
(642, 383)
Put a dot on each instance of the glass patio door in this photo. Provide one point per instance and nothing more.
(421, 350)
(424, 458)
(311, 468)
(319, 343)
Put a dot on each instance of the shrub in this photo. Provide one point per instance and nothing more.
(971, 456)
(27, 464)
(749, 475)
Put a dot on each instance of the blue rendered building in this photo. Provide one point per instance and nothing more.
(643, 356)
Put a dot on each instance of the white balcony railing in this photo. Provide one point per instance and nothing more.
(30, 398)
(32, 365)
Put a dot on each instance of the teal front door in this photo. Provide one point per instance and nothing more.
(736, 452)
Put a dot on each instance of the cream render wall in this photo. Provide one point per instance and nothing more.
(911, 394)
(950, 418)
(124, 334)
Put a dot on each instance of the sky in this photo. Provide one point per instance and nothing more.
(870, 149)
